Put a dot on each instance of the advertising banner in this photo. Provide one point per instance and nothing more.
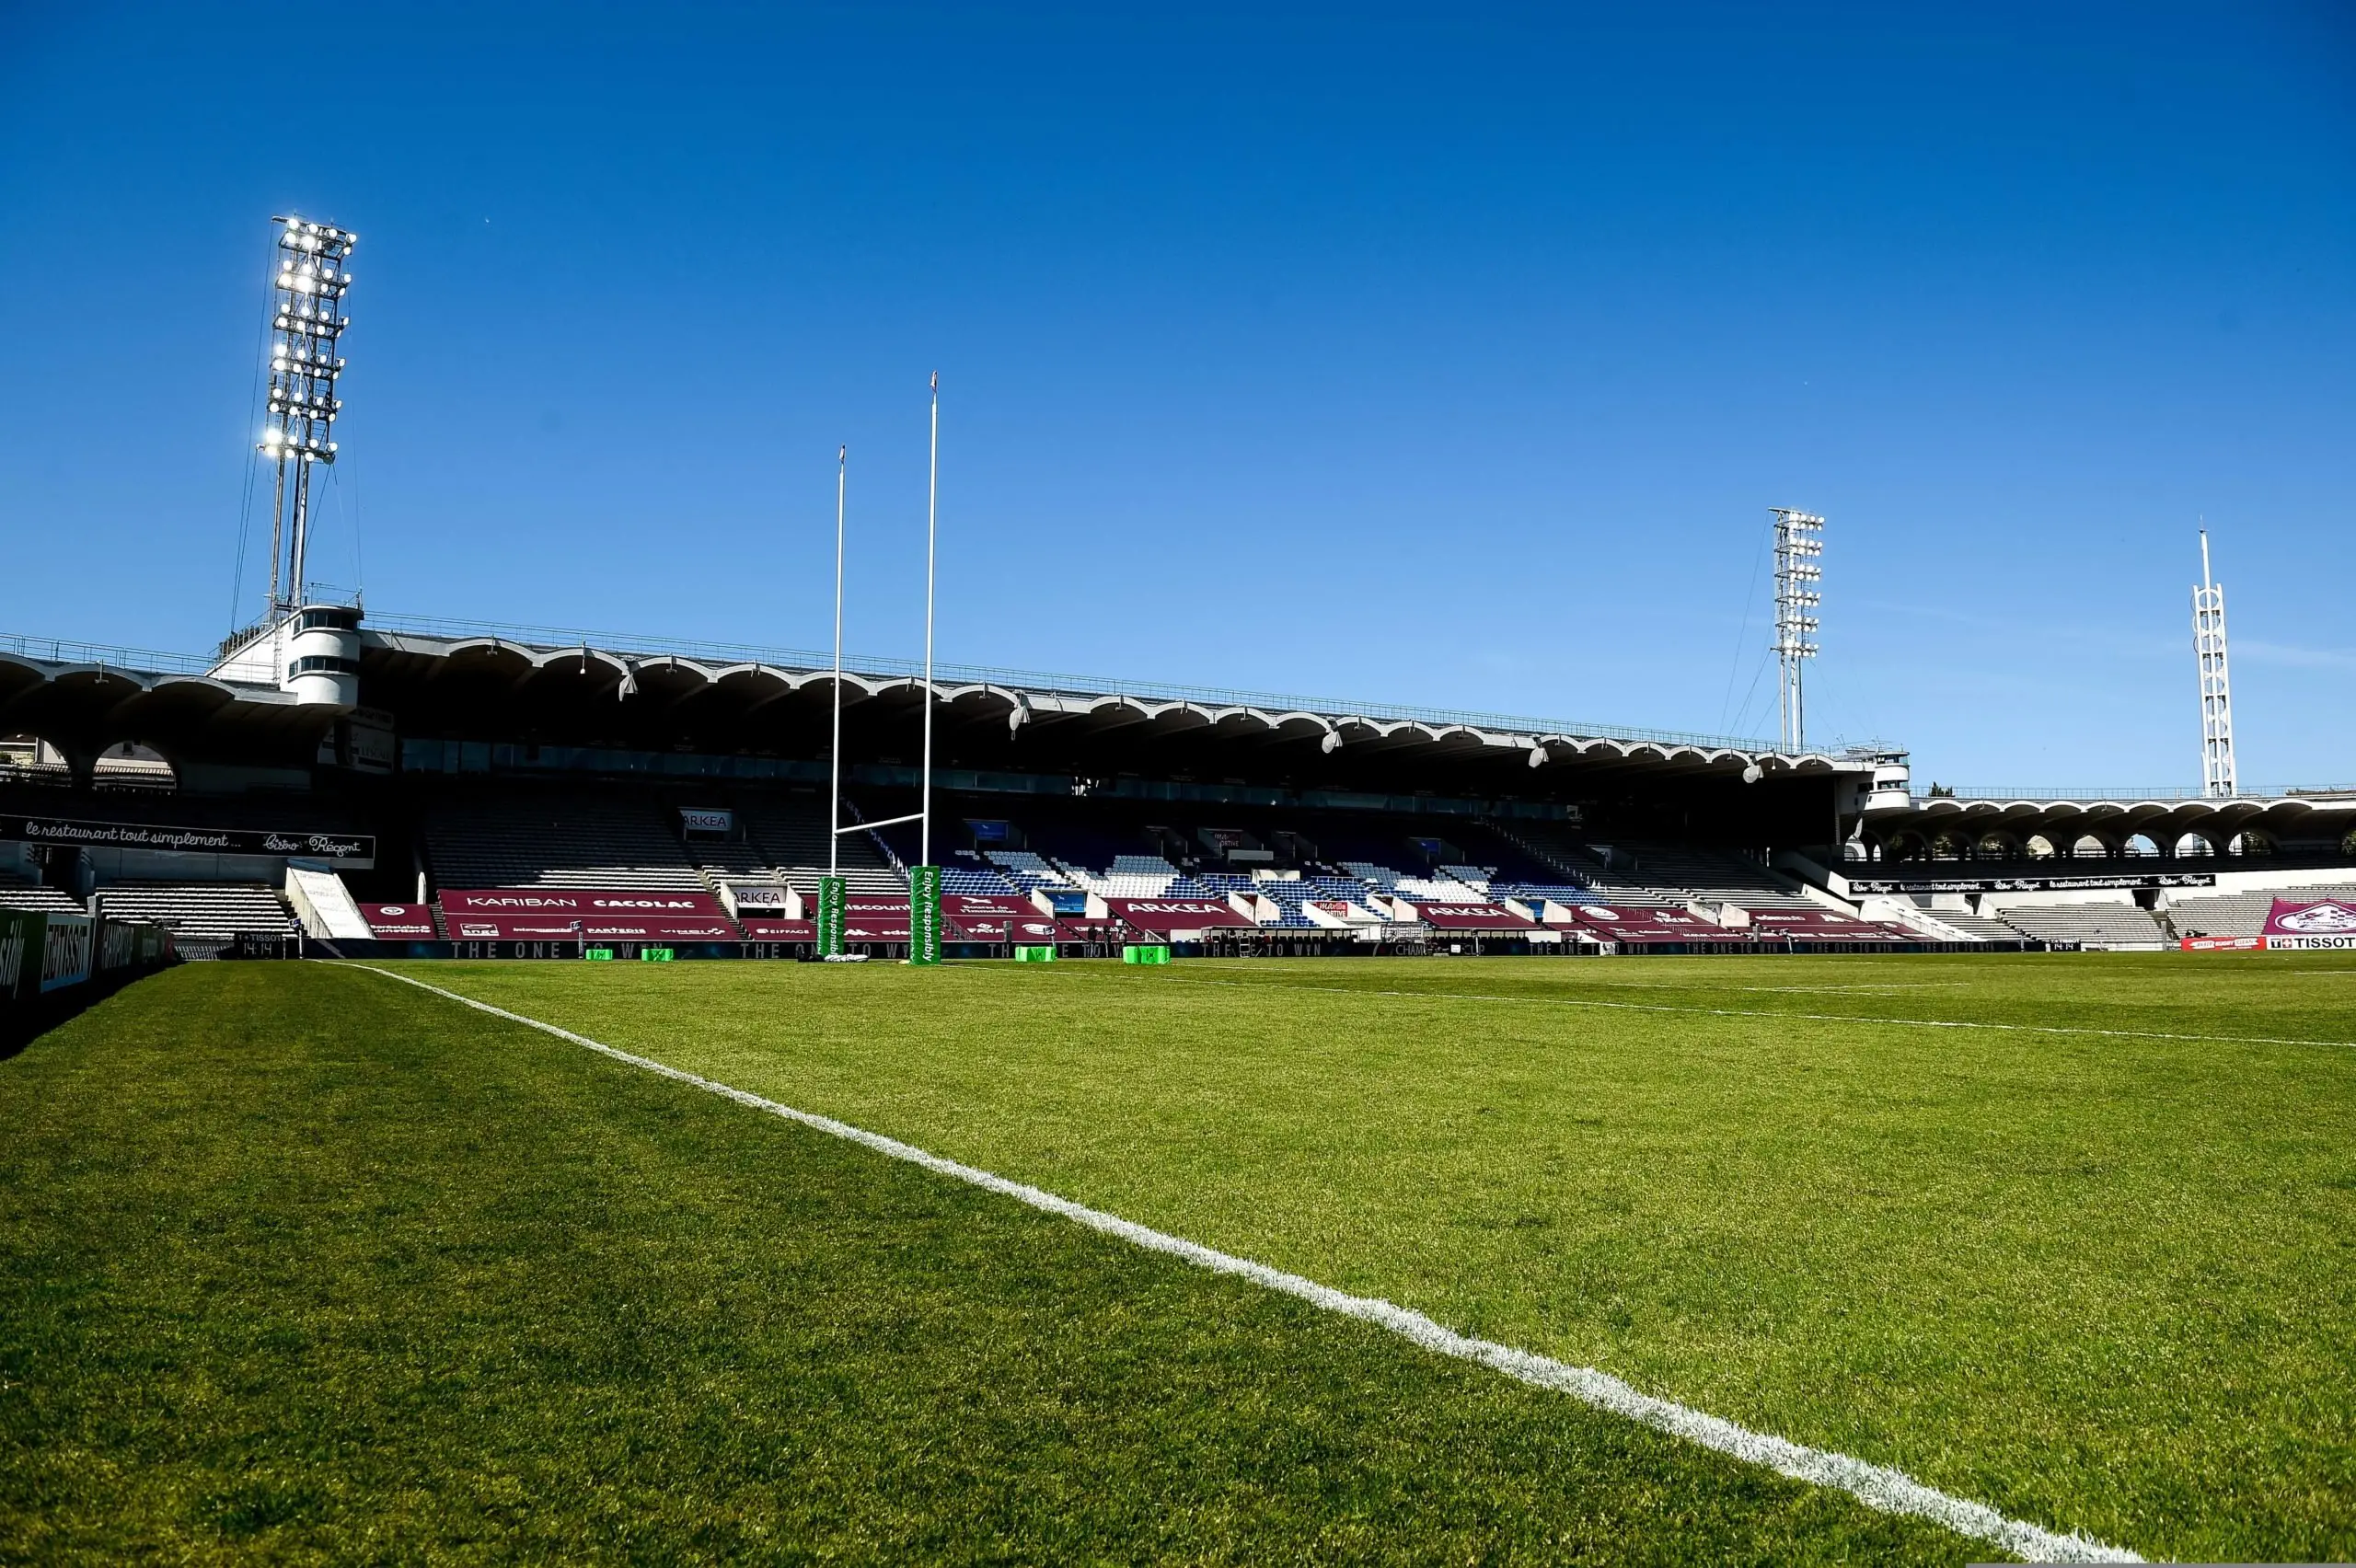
(2317, 924)
(1468, 916)
(337, 848)
(620, 903)
(987, 906)
(1161, 916)
(833, 897)
(21, 941)
(1803, 919)
(1623, 923)
(2221, 944)
(593, 927)
(118, 945)
(1819, 926)
(985, 917)
(399, 921)
(924, 913)
(69, 950)
(868, 917)
(762, 903)
(707, 823)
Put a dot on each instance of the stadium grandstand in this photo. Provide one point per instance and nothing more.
(329, 776)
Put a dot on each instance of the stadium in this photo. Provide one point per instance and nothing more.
(402, 786)
(488, 1091)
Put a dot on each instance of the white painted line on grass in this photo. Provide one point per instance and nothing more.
(1891, 1491)
(1755, 1013)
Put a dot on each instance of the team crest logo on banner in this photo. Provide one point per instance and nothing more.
(2328, 923)
(2332, 918)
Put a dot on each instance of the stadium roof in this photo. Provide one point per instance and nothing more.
(2285, 815)
(441, 677)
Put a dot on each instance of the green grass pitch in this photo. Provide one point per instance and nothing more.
(299, 1263)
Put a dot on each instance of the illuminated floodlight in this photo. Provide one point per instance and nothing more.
(306, 324)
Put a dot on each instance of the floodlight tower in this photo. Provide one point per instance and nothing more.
(1800, 546)
(2216, 682)
(306, 321)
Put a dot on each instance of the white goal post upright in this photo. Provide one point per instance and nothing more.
(931, 533)
(924, 877)
(833, 897)
(835, 753)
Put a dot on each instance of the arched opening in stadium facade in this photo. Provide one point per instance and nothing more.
(2040, 848)
(2088, 847)
(1950, 846)
(2141, 846)
(32, 760)
(1996, 846)
(127, 765)
(1861, 848)
(2347, 845)
(1906, 845)
(2194, 846)
(2255, 845)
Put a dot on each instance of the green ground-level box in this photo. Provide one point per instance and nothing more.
(1044, 953)
(1146, 952)
(604, 954)
(654, 955)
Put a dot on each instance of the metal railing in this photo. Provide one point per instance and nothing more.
(1047, 682)
(134, 661)
(2122, 793)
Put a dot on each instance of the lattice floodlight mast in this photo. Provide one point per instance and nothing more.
(2216, 682)
(306, 321)
(1800, 548)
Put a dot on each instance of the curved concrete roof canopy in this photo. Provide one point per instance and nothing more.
(489, 685)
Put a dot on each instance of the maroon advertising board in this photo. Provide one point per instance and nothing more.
(1821, 926)
(873, 919)
(1470, 917)
(553, 914)
(548, 928)
(988, 906)
(1161, 916)
(399, 921)
(987, 918)
(582, 903)
(1618, 922)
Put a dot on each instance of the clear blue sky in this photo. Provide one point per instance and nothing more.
(1449, 354)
